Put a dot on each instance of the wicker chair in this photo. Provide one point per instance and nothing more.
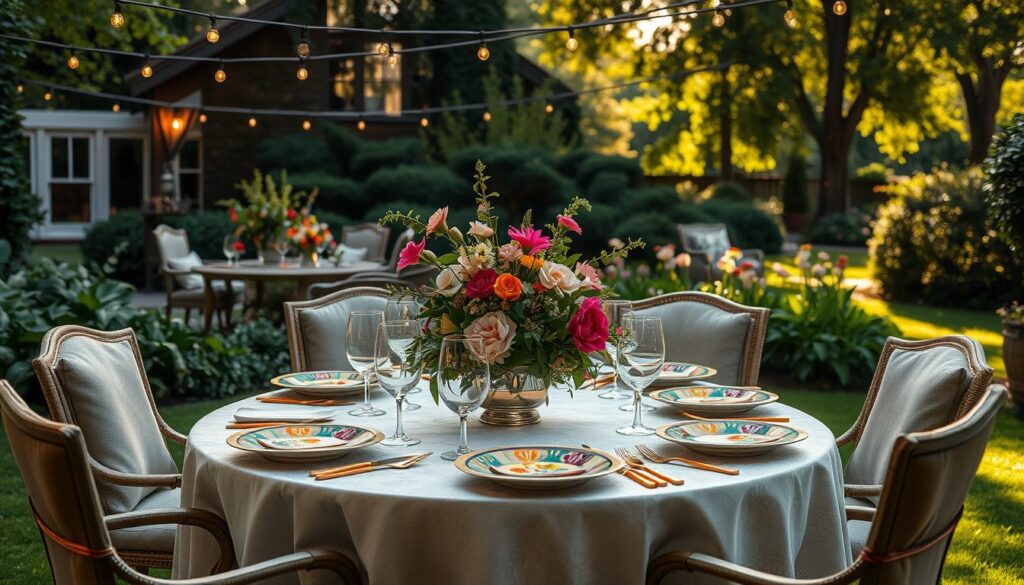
(922, 500)
(706, 329)
(316, 328)
(705, 243)
(96, 381)
(370, 236)
(172, 244)
(55, 467)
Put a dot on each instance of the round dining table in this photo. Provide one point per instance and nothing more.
(258, 273)
(433, 524)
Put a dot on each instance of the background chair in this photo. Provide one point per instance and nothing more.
(368, 236)
(928, 478)
(316, 328)
(371, 279)
(706, 243)
(55, 467)
(183, 287)
(705, 329)
(96, 380)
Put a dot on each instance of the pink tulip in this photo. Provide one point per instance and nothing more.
(569, 224)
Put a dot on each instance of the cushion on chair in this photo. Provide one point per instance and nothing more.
(919, 391)
(351, 255)
(187, 281)
(703, 334)
(156, 538)
(108, 400)
(371, 241)
(322, 330)
(712, 242)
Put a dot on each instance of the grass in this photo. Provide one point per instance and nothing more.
(69, 253)
(986, 548)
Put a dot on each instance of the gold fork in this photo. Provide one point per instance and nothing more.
(656, 458)
(357, 470)
(634, 462)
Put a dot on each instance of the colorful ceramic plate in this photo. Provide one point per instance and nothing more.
(676, 373)
(713, 400)
(541, 467)
(737, 438)
(323, 384)
(291, 443)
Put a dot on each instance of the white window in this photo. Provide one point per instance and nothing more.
(71, 179)
(382, 84)
(188, 171)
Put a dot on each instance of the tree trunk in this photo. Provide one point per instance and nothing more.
(982, 101)
(725, 138)
(834, 196)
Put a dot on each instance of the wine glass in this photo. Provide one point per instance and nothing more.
(463, 380)
(360, 348)
(399, 308)
(615, 309)
(231, 252)
(396, 372)
(641, 357)
(281, 247)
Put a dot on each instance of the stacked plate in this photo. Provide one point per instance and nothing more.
(323, 383)
(305, 442)
(676, 373)
(714, 400)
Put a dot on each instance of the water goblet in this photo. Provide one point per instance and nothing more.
(615, 309)
(399, 308)
(230, 249)
(641, 357)
(360, 349)
(463, 381)
(396, 371)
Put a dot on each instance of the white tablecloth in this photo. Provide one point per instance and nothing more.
(434, 524)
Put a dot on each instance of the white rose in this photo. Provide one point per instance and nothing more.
(480, 229)
(558, 277)
(497, 331)
(449, 281)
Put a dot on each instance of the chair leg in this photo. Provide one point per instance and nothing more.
(167, 311)
(220, 318)
(188, 317)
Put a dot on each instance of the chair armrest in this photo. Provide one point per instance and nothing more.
(170, 433)
(700, 563)
(105, 474)
(853, 490)
(862, 513)
(208, 521)
(311, 560)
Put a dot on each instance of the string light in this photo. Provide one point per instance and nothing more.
(117, 18)
(21, 88)
(384, 48)
(202, 118)
(220, 76)
(213, 33)
(790, 15)
(47, 95)
(252, 121)
(571, 43)
(361, 125)
(483, 53)
(718, 19)
(303, 47)
(549, 107)
(302, 73)
(115, 108)
(424, 122)
(147, 69)
(392, 57)
(73, 62)
(306, 125)
(487, 116)
(839, 8)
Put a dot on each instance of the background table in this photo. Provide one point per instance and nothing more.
(434, 524)
(251, 270)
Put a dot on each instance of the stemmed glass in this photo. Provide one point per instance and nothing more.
(615, 309)
(231, 252)
(395, 371)
(360, 349)
(641, 357)
(463, 380)
(398, 309)
(281, 246)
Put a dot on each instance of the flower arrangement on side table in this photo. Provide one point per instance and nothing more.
(534, 302)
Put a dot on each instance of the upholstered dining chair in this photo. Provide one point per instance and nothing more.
(316, 328)
(918, 386)
(374, 279)
(705, 329)
(64, 499)
(706, 243)
(184, 288)
(96, 381)
(926, 484)
(368, 236)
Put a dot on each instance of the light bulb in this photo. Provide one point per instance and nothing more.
(73, 61)
(147, 70)
(117, 18)
(839, 8)
(718, 19)
(571, 43)
(392, 60)
(549, 107)
(306, 125)
(202, 118)
(212, 33)
(116, 107)
(220, 75)
(21, 88)
(176, 124)
(383, 48)
(483, 53)
(424, 122)
(302, 73)
(302, 48)
(361, 125)
(252, 122)
(487, 116)
(47, 95)
(790, 18)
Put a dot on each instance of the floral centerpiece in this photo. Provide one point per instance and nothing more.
(535, 303)
(309, 236)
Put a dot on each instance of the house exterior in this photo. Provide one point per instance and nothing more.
(87, 164)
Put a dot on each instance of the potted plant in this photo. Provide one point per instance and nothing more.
(1004, 187)
(796, 203)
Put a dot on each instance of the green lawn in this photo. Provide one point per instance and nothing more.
(69, 253)
(986, 548)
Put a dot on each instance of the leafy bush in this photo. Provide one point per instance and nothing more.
(342, 144)
(428, 185)
(524, 175)
(726, 192)
(1004, 185)
(598, 163)
(295, 152)
(104, 237)
(932, 244)
(749, 227)
(569, 163)
(337, 194)
(875, 171)
(206, 231)
(179, 361)
(651, 226)
(607, 187)
(795, 198)
(852, 228)
(388, 153)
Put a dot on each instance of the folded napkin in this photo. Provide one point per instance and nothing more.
(248, 414)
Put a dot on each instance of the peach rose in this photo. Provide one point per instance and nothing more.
(480, 229)
(558, 277)
(449, 280)
(497, 331)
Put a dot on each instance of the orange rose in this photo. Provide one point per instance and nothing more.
(508, 287)
(531, 262)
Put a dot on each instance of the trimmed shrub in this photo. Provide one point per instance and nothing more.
(335, 221)
(607, 187)
(569, 163)
(749, 227)
(597, 227)
(206, 231)
(389, 153)
(795, 198)
(852, 228)
(654, 227)
(337, 194)
(727, 192)
(343, 146)
(1004, 185)
(589, 168)
(523, 175)
(499, 159)
(296, 153)
(104, 237)
(654, 199)
(427, 185)
(932, 244)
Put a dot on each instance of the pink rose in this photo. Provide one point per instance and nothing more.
(410, 254)
(481, 285)
(589, 326)
(569, 224)
(497, 331)
(437, 219)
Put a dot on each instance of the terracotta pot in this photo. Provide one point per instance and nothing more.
(1013, 357)
(514, 399)
(794, 222)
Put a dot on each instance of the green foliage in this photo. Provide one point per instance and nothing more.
(875, 171)
(295, 153)
(795, 198)
(336, 194)
(121, 235)
(749, 227)
(932, 244)
(522, 174)
(1004, 184)
(206, 231)
(727, 192)
(388, 153)
(569, 163)
(601, 163)
(428, 185)
(852, 228)
(608, 187)
(342, 144)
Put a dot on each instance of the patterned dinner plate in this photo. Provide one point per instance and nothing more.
(712, 400)
(291, 443)
(734, 438)
(323, 384)
(675, 373)
(542, 467)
